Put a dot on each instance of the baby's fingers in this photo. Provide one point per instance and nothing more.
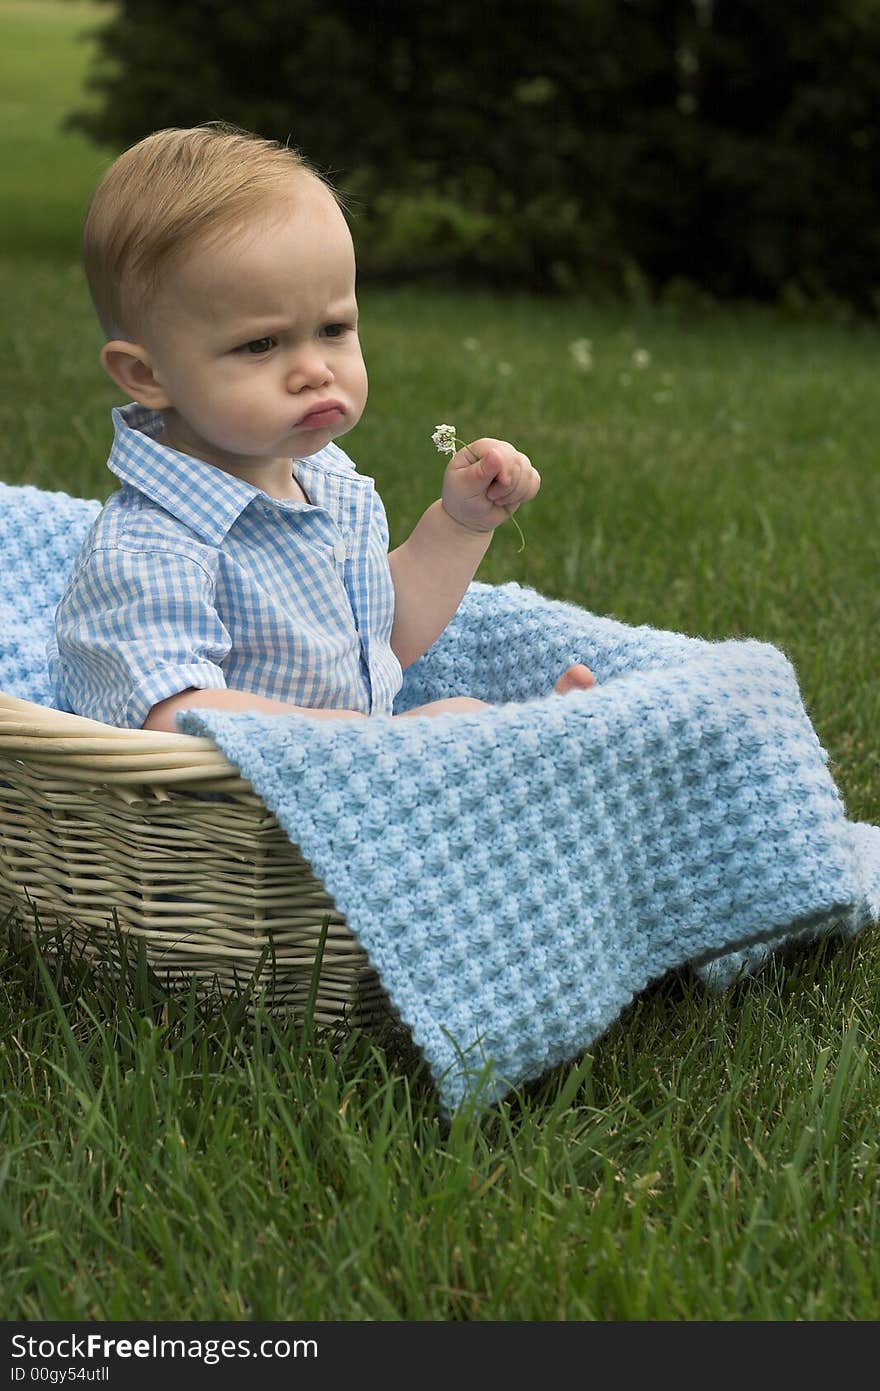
(516, 481)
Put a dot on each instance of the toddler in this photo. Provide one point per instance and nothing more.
(244, 563)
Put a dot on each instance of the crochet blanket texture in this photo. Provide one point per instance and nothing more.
(517, 875)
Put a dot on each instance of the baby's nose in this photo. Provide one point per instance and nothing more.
(309, 369)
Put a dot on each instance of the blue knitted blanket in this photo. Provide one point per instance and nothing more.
(517, 875)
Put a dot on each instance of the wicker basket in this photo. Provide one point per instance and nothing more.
(157, 835)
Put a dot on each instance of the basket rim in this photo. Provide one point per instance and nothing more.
(76, 745)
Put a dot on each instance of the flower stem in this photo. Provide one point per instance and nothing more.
(522, 545)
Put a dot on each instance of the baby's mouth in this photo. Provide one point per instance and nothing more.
(324, 413)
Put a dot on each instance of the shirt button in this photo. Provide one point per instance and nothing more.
(339, 551)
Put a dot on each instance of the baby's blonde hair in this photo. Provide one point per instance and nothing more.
(170, 191)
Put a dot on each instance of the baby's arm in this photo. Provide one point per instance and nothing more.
(483, 484)
(161, 717)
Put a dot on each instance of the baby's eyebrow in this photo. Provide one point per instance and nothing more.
(246, 329)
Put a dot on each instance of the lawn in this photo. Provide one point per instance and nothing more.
(712, 1156)
(47, 171)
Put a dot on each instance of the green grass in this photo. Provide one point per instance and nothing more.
(711, 1157)
(48, 173)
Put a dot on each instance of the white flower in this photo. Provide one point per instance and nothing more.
(641, 358)
(444, 438)
(471, 344)
(582, 352)
(504, 369)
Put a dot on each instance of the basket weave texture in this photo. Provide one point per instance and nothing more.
(156, 836)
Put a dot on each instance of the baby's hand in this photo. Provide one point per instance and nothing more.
(485, 482)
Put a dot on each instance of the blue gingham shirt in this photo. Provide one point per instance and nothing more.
(191, 577)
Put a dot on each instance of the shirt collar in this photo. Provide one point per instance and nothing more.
(203, 497)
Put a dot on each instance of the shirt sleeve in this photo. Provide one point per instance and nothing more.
(132, 629)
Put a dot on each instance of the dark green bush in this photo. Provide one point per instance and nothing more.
(549, 143)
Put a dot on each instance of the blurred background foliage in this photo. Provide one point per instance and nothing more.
(652, 147)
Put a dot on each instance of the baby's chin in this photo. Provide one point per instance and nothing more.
(303, 448)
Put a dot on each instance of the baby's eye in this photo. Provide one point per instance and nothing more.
(336, 330)
(257, 346)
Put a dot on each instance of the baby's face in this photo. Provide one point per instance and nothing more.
(255, 340)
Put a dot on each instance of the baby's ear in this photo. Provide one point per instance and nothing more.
(130, 366)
